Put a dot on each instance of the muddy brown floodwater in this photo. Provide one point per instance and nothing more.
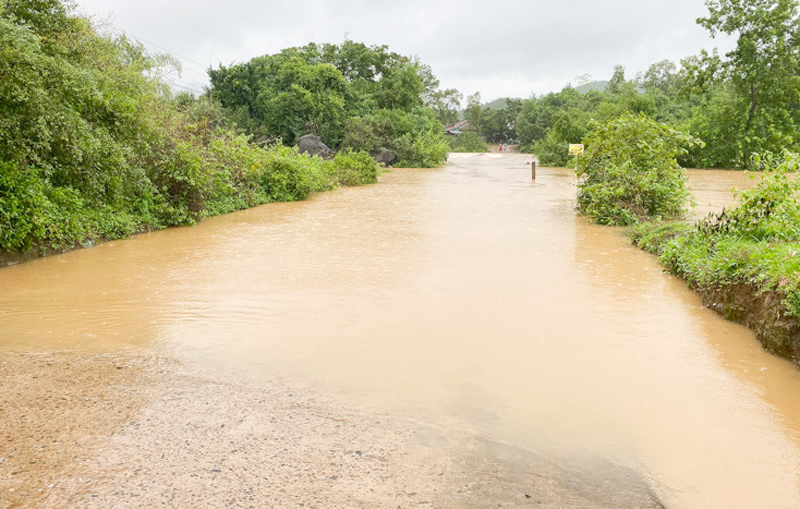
(466, 300)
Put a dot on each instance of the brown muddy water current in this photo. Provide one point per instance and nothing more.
(467, 293)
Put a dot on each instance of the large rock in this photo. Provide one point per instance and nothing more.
(387, 157)
(312, 145)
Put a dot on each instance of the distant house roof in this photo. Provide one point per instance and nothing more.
(457, 127)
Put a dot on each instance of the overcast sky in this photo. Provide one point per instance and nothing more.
(504, 48)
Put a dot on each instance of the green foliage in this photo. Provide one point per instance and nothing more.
(351, 95)
(769, 211)
(416, 137)
(287, 176)
(499, 123)
(547, 125)
(749, 97)
(92, 145)
(283, 96)
(24, 207)
(629, 171)
(354, 168)
(535, 119)
(446, 105)
(756, 243)
(424, 145)
(401, 89)
(375, 132)
(467, 142)
(496, 121)
(552, 151)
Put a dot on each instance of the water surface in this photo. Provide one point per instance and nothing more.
(466, 293)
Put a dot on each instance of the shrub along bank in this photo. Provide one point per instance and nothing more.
(744, 261)
(93, 146)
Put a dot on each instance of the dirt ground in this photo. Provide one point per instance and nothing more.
(129, 430)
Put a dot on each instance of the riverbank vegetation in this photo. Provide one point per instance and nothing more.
(630, 173)
(94, 145)
(745, 260)
(351, 95)
(755, 243)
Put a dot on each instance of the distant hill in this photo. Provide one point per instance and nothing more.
(498, 104)
(600, 86)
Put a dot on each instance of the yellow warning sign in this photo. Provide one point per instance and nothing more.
(575, 149)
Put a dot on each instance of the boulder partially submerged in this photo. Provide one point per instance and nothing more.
(387, 157)
(312, 145)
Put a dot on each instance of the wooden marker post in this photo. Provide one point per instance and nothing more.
(533, 169)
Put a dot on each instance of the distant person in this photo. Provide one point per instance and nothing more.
(500, 148)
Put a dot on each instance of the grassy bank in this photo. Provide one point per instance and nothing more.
(744, 261)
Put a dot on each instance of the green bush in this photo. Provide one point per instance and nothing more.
(629, 171)
(24, 207)
(417, 137)
(354, 168)
(289, 176)
(551, 151)
(467, 142)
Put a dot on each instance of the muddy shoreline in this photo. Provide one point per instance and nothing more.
(762, 312)
(129, 430)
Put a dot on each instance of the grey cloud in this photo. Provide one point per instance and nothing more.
(499, 48)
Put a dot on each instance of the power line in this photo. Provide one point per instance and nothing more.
(185, 89)
(160, 47)
(184, 61)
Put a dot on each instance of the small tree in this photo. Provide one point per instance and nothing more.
(629, 171)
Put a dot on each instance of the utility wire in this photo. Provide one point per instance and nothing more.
(178, 82)
(161, 48)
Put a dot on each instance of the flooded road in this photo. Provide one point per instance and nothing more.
(466, 293)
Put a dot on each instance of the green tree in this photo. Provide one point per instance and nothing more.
(474, 112)
(761, 73)
(468, 141)
(617, 81)
(446, 104)
(402, 88)
(284, 96)
(500, 124)
(663, 76)
(535, 118)
(325, 90)
(416, 137)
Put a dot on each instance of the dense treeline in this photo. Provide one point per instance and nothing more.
(350, 95)
(93, 145)
(743, 102)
